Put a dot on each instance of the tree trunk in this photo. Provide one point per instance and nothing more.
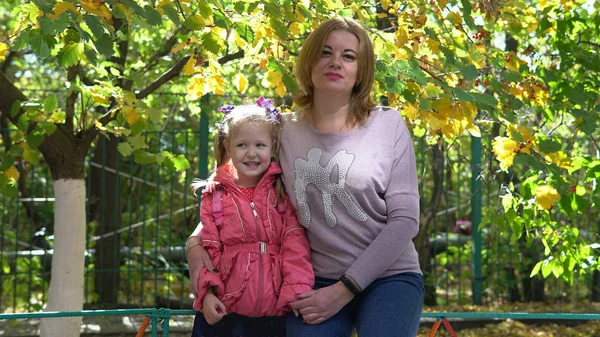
(66, 285)
(105, 209)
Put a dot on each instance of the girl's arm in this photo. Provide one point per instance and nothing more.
(297, 271)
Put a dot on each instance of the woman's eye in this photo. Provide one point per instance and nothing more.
(349, 57)
(326, 53)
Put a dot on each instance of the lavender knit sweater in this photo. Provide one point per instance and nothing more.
(356, 193)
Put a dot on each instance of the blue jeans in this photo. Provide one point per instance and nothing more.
(234, 325)
(390, 306)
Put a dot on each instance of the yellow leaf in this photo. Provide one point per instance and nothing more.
(188, 69)
(545, 196)
(454, 18)
(178, 47)
(3, 50)
(385, 4)
(280, 90)
(299, 16)
(295, 28)
(241, 43)
(241, 83)
(504, 149)
(99, 125)
(96, 7)
(12, 173)
(217, 84)
(442, 3)
(272, 79)
(433, 45)
(198, 87)
(334, 4)
(560, 159)
(131, 115)
(410, 110)
(401, 36)
(62, 7)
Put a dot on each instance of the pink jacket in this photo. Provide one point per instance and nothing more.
(262, 258)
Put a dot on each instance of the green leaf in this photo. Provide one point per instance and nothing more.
(62, 22)
(125, 149)
(105, 45)
(221, 20)
(36, 138)
(71, 36)
(244, 31)
(39, 43)
(137, 142)
(280, 29)
(394, 85)
(212, 42)
(95, 25)
(21, 42)
(205, 9)
(32, 156)
(544, 24)
(511, 76)
(463, 95)
(49, 128)
(153, 17)
(46, 24)
(45, 5)
(90, 54)
(131, 4)
(547, 268)
(50, 103)
(486, 99)
(172, 13)
(155, 115)
(15, 108)
(143, 157)
(548, 145)
(70, 54)
(179, 163)
(536, 269)
(9, 190)
(194, 22)
(470, 72)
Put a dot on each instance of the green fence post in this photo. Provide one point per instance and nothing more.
(476, 217)
(203, 153)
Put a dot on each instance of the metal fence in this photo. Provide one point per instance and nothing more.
(140, 215)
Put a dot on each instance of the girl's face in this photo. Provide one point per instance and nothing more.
(337, 69)
(250, 148)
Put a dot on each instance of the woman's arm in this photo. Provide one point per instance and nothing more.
(197, 258)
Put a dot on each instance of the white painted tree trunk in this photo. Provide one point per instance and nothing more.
(66, 284)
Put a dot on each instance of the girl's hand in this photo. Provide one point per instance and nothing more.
(197, 258)
(213, 308)
(317, 306)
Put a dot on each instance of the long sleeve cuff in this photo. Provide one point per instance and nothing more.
(209, 279)
(288, 294)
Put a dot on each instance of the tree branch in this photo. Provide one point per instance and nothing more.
(10, 94)
(166, 48)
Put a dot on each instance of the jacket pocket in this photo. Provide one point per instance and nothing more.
(235, 271)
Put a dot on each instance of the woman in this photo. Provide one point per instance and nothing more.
(349, 167)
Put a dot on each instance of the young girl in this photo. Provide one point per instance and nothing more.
(250, 231)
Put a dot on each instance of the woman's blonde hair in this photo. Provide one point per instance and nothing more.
(362, 100)
(233, 118)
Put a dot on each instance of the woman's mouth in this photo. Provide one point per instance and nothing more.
(333, 76)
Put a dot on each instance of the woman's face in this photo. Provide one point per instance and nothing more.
(337, 69)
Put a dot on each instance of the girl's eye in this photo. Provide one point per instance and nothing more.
(261, 145)
(241, 145)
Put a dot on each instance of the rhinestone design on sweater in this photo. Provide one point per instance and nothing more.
(311, 172)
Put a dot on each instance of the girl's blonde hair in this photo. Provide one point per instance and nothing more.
(232, 119)
(362, 100)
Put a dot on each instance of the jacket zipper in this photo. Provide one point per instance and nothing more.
(260, 278)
